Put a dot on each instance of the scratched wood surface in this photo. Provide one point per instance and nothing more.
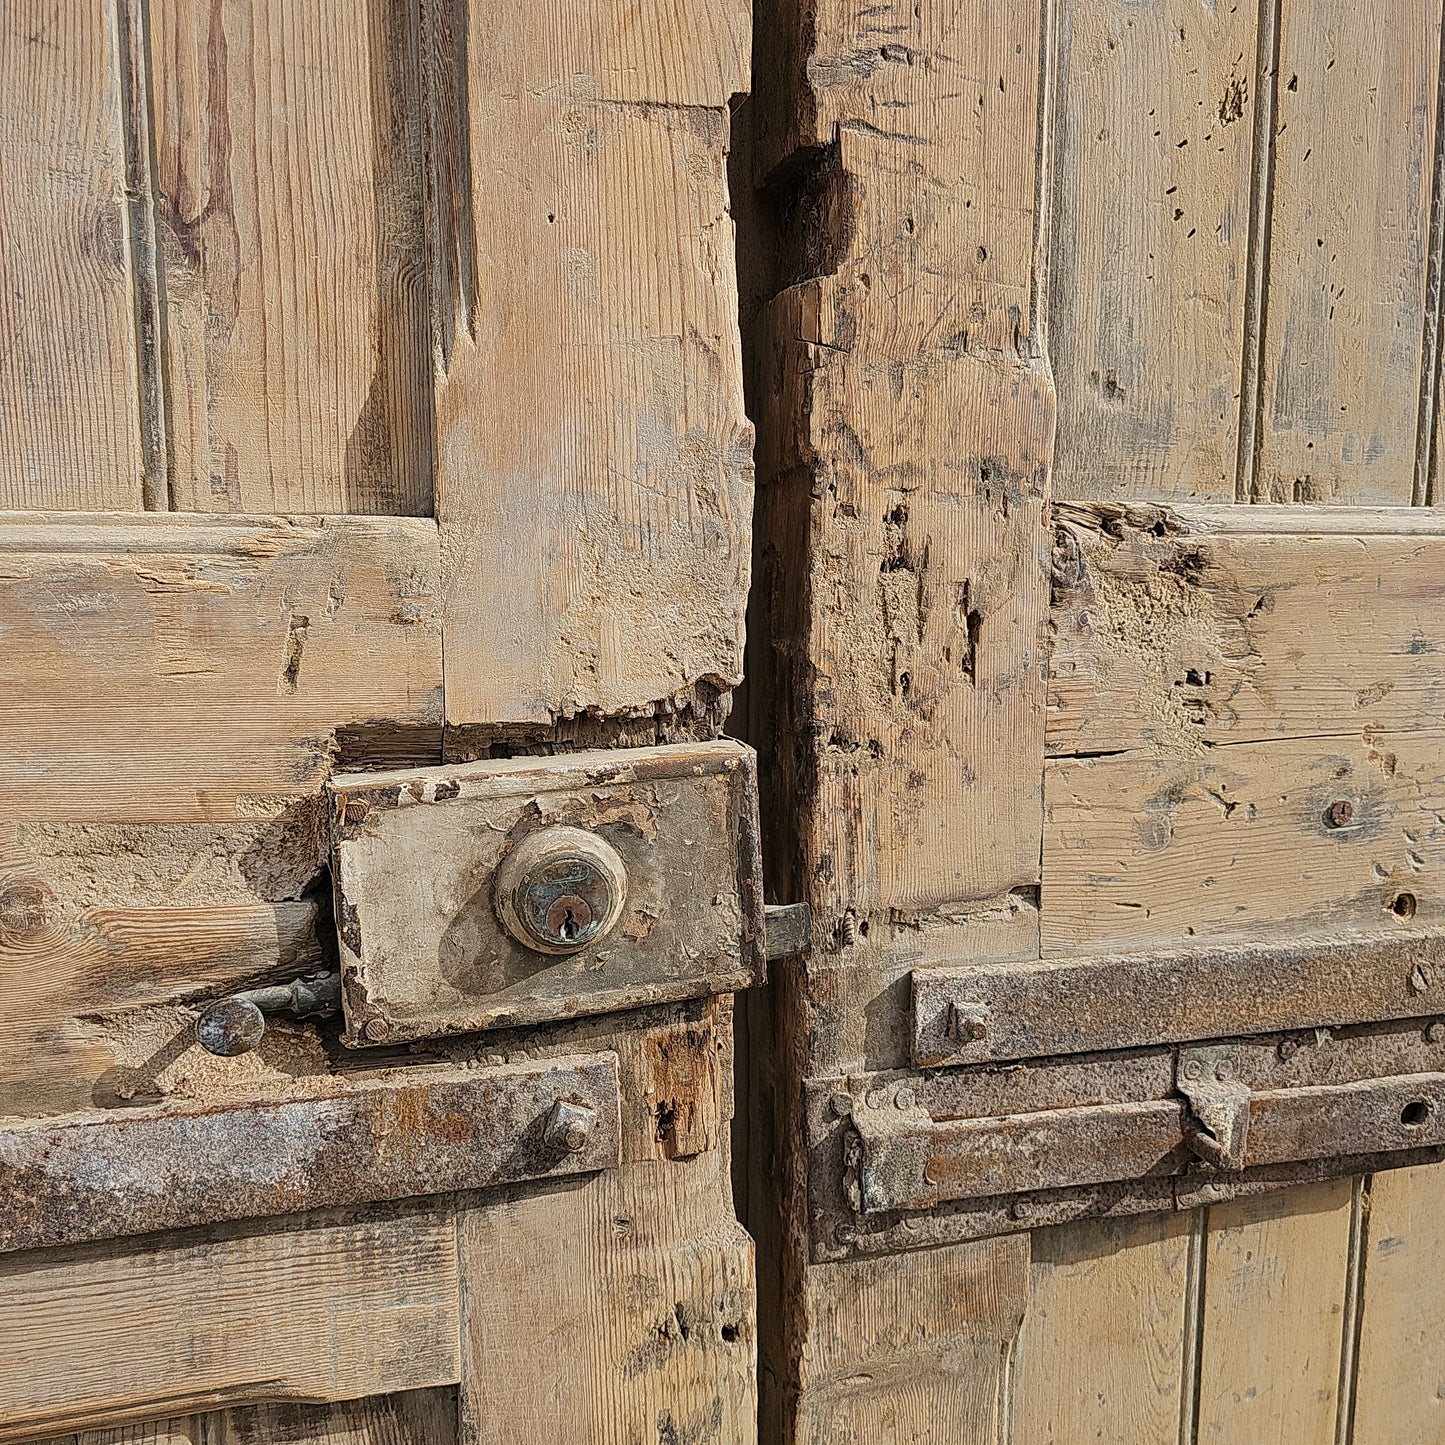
(288, 186)
(1349, 220)
(207, 663)
(69, 402)
(594, 467)
(131, 1332)
(906, 423)
(1149, 249)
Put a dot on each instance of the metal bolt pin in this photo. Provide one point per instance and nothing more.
(568, 1127)
(1435, 1033)
(1338, 814)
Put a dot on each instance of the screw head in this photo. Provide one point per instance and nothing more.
(231, 1026)
(905, 1099)
(560, 889)
(842, 1104)
(1435, 1033)
(1192, 1069)
(1287, 1049)
(568, 1127)
(877, 1098)
(1338, 814)
(376, 1030)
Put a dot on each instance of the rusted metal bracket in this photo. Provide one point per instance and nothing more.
(1216, 1126)
(1120, 1001)
(415, 1131)
(532, 889)
(904, 1160)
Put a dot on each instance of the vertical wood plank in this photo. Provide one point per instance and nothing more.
(289, 184)
(594, 461)
(1150, 215)
(69, 408)
(1399, 1367)
(1276, 1273)
(616, 1311)
(1103, 1347)
(1344, 322)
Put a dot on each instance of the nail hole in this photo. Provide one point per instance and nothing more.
(1415, 1113)
(1403, 905)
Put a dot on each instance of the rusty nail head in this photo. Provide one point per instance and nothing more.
(905, 1099)
(842, 1104)
(568, 1127)
(877, 1098)
(1435, 1033)
(1192, 1069)
(1222, 1070)
(1338, 814)
(1288, 1048)
(845, 1234)
(376, 1030)
(231, 1026)
(1020, 1209)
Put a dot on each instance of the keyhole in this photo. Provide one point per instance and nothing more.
(570, 928)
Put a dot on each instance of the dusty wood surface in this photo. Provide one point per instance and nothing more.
(906, 427)
(1144, 851)
(1274, 1317)
(635, 1288)
(1174, 631)
(116, 1334)
(69, 410)
(1399, 1379)
(414, 1417)
(220, 664)
(299, 368)
(1103, 1354)
(1344, 312)
(1150, 245)
(595, 481)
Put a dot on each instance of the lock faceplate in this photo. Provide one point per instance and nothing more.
(523, 890)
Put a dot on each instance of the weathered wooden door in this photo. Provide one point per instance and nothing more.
(370, 398)
(1096, 670)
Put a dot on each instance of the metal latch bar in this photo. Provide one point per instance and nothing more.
(980, 1013)
(421, 1131)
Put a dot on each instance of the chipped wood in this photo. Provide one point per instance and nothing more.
(219, 663)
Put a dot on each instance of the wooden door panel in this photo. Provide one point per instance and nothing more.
(420, 326)
(291, 255)
(323, 1311)
(69, 401)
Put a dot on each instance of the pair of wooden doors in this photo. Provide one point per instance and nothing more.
(373, 430)
(370, 396)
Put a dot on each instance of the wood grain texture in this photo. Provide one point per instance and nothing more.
(413, 1417)
(1344, 312)
(1175, 633)
(1273, 1317)
(1103, 1349)
(178, 670)
(912, 1346)
(106, 1336)
(69, 404)
(289, 190)
(1399, 1373)
(1147, 259)
(594, 462)
(906, 422)
(613, 1312)
(1236, 846)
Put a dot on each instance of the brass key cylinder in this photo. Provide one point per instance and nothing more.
(560, 889)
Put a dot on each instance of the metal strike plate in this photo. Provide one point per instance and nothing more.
(903, 1161)
(491, 894)
(420, 1131)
